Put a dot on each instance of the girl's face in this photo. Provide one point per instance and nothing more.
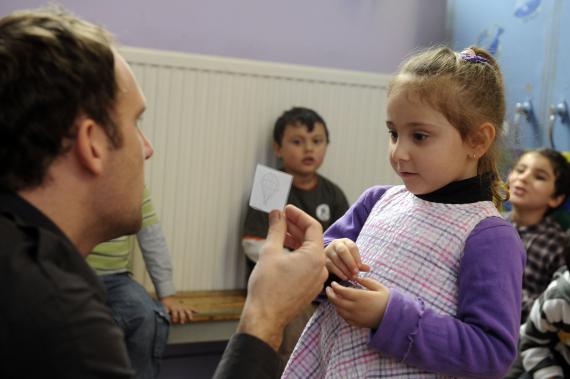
(426, 151)
(532, 183)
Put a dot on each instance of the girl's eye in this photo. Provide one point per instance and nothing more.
(540, 177)
(393, 135)
(318, 141)
(420, 136)
(296, 142)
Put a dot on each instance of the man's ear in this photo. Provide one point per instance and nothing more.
(91, 145)
(482, 138)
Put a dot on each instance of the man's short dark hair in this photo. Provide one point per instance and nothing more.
(54, 67)
(297, 116)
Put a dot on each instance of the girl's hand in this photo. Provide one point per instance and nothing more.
(343, 259)
(360, 307)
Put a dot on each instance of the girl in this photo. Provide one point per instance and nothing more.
(539, 183)
(441, 285)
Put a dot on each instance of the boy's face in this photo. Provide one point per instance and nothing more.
(532, 184)
(302, 151)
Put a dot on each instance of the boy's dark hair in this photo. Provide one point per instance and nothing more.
(561, 169)
(53, 67)
(297, 116)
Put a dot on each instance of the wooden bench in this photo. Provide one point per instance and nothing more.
(216, 317)
(214, 305)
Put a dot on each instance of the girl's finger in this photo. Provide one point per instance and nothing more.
(343, 252)
(353, 249)
(336, 300)
(349, 293)
(333, 269)
(370, 284)
(340, 264)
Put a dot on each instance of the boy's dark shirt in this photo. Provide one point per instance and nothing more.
(310, 201)
(53, 320)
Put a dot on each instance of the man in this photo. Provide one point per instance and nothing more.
(71, 177)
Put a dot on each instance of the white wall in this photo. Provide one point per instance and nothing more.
(210, 120)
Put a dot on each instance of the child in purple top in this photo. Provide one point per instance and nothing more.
(432, 273)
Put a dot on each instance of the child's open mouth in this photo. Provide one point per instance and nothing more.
(519, 191)
(308, 161)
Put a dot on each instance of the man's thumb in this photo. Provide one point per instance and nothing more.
(276, 233)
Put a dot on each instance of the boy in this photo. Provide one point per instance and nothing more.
(538, 184)
(300, 140)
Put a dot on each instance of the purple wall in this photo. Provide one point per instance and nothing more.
(365, 35)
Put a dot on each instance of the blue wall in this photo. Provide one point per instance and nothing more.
(530, 39)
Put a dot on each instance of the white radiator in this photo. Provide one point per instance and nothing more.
(210, 120)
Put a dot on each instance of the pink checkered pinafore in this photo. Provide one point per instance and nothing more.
(411, 244)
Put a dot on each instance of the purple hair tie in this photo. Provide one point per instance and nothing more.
(470, 56)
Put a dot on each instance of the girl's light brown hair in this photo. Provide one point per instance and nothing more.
(468, 92)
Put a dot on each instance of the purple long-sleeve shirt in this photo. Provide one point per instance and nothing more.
(481, 340)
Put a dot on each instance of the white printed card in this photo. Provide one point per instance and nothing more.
(270, 189)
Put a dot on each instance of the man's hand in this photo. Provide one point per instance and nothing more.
(281, 284)
(179, 313)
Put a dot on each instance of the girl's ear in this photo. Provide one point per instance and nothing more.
(555, 201)
(482, 138)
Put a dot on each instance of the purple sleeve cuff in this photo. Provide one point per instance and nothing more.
(395, 334)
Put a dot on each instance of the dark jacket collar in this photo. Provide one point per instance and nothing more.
(472, 190)
(16, 207)
(45, 240)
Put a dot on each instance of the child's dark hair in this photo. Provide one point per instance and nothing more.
(467, 88)
(561, 169)
(297, 116)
